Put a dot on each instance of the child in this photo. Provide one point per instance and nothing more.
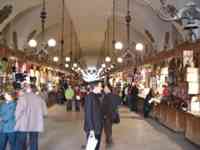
(7, 115)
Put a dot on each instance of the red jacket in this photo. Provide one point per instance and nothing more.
(165, 92)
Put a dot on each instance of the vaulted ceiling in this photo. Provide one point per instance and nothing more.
(90, 20)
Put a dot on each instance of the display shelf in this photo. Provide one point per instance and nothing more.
(192, 132)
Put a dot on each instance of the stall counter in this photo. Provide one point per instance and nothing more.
(169, 116)
(192, 132)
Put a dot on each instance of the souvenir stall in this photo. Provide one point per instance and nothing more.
(23, 67)
(192, 131)
(179, 70)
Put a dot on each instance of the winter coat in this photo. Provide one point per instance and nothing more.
(107, 106)
(7, 115)
(93, 113)
(30, 112)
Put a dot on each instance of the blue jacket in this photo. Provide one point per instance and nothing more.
(7, 115)
(1, 121)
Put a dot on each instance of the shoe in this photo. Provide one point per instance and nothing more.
(83, 146)
(109, 145)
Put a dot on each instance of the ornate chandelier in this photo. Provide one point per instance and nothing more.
(42, 48)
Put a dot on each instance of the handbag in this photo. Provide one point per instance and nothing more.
(116, 117)
(91, 142)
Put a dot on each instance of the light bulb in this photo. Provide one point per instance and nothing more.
(32, 43)
(108, 59)
(118, 45)
(119, 60)
(139, 47)
(67, 59)
(75, 65)
(51, 42)
(66, 65)
(55, 59)
(103, 65)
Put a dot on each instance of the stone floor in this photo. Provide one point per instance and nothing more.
(64, 132)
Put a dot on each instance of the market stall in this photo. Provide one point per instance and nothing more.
(179, 108)
(16, 67)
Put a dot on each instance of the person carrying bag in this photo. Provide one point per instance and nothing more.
(93, 120)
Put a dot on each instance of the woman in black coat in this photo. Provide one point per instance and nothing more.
(93, 121)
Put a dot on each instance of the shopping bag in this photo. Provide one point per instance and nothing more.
(92, 142)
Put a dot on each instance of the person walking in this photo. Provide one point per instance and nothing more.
(69, 95)
(83, 93)
(77, 99)
(134, 102)
(7, 119)
(107, 112)
(130, 97)
(30, 112)
(93, 120)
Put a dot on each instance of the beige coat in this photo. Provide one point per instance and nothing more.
(30, 112)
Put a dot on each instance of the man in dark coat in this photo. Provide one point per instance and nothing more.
(107, 112)
(111, 102)
(93, 123)
(135, 92)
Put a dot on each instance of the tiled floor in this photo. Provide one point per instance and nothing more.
(64, 131)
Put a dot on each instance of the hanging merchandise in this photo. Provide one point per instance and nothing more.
(3, 65)
(37, 75)
(42, 76)
(193, 80)
(32, 73)
(188, 58)
(24, 68)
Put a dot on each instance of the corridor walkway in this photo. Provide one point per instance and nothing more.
(64, 132)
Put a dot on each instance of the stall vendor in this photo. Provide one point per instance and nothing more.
(165, 93)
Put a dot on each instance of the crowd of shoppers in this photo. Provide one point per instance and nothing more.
(22, 118)
(22, 111)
